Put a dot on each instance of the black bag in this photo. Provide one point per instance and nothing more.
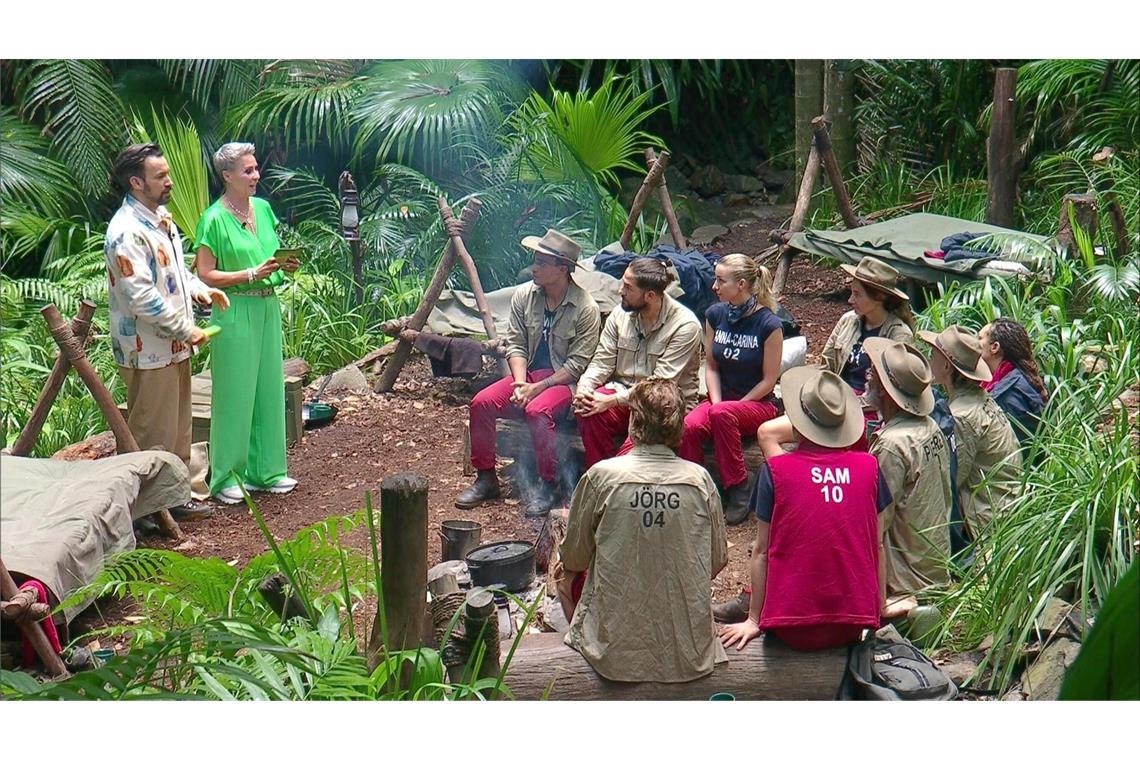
(887, 667)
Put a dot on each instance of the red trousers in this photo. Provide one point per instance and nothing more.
(600, 432)
(726, 423)
(494, 402)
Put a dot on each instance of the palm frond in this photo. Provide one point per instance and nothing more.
(28, 176)
(215, 81)
(182, 148)
(80, 111)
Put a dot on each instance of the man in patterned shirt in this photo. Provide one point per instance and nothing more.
(152, 323)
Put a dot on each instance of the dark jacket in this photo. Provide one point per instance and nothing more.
(1021, 402)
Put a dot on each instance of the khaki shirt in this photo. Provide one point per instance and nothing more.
(649, 528)
(989, 460)
(669, 349)
(573, 336)
(846, 334)
(915, 461)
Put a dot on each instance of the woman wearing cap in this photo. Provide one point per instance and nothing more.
(1016, 385)
(237, 241)
(552, 334)
(914, 457)
(744, 342)
(817, 560)
(989, 460)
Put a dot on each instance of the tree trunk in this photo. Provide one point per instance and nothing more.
(1001, 153)
(765, 669)
(839, 105)
(403, 545)
(809, 104)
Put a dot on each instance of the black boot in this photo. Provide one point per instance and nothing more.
(734, 611)
(547, 497)
(736, 506)
(485, 487)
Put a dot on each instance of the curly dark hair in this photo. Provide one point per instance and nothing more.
(1017, 349)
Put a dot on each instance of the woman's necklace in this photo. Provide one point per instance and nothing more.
(245, 218)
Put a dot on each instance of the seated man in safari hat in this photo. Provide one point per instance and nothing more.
(552, 334)
(915, 461)
(989, 459)
(816, 562)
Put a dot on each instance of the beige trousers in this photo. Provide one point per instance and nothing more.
(159, 407)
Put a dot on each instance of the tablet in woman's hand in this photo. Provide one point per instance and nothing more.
(211, 330)
(284, 254)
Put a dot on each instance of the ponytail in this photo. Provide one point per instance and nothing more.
(759, 278)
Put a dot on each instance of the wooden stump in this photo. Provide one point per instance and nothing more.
(403, 545)
(765, 669)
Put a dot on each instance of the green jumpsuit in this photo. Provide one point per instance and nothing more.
(247, 416)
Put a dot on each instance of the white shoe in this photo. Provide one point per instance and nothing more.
(230, 495)
(284, 485)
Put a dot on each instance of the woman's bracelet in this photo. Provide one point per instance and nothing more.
(249, 273)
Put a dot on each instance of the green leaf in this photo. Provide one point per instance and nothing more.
(1108, 666)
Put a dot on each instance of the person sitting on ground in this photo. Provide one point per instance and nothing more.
(552, 333)
(817, 559)
(1016, 384)
(648, 529)
(878, 309)
(652, 335)
(989, 459)
(744, 342)
(914, 457)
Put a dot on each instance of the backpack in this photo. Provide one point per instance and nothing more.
(887, 667)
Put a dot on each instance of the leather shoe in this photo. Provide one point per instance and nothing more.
(485, 488)
(736, 506)
(548, 497)
(734, 610)
(191, 512)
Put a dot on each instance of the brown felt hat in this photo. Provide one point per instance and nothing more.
(962, 349)
(555, 244)
(877, 274)
(903, 372)
(822, 407)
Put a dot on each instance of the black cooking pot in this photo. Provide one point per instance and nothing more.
(510, 563)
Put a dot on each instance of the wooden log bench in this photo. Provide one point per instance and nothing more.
(765, 669)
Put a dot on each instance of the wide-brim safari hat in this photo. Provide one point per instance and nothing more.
(962, 349)
(822, 407)
(554, 244)
(877, 274)
(904, 374)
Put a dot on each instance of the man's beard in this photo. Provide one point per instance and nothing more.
(631, 308)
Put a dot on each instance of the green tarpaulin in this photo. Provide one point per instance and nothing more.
(902, 243)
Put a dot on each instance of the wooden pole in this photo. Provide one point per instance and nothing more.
(803, 203)
(80, 327)
(467, 219)
(652, 176)
(666, 200)
(1001, 153)
(455, 231)
(403, 571)
(32, 631)
(70, 349)
(834, 172)
(808, 104)
(765, 669)
(480, 624)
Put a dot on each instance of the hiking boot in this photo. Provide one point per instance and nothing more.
(485, 488)
(736, 506)
(547, 497)
(733, 611)
(146, 526)
(191, 512)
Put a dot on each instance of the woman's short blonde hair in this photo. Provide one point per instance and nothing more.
(656, 413)
(226, 157)
(759, 279)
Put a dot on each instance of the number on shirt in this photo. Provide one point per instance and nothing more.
(731, 353)
(832, 494)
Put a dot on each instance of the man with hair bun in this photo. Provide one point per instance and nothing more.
(648, 532)
(653, 335)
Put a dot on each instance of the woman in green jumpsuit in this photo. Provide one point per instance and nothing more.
(237, 240)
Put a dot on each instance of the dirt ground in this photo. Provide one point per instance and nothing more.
(419, 427)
